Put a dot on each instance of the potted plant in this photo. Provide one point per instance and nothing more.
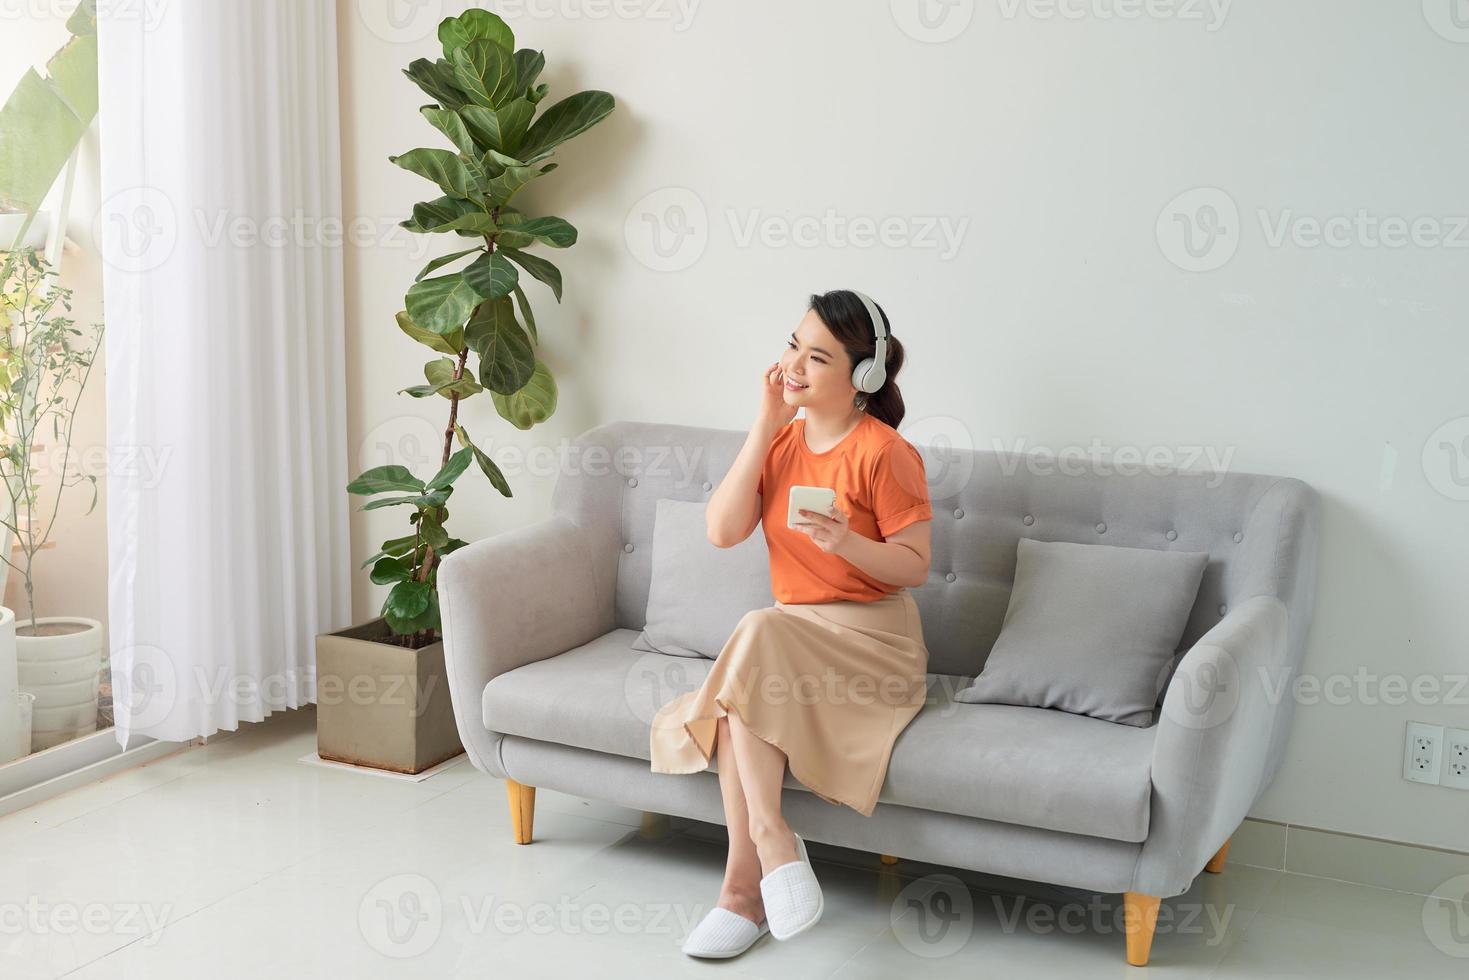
(45, 362)
(479, 328)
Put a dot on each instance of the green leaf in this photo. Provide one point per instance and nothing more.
(73, 70)
(389, 570)
(528, 65)
(499, 129)
(38, 131)
(526, 314)
(443, 303)
(458, 463)
(435, 215)
(506, 359)
(380, 479)
(532, 404)
(434, 534)
(440, 374)
(436, 78)
(502, 188)
(538, 267)
(476, 223)
(472, 25)
(434, 499)
(408, 599)
(486, 465)
(444, 260)
(556, 232)
(393, 548)
(426, 620)
(444, 343)
(492, 276)
(486, 72)
(440, 166)
(566, 119)
(83, 19)
(538, 93)
(447, 121)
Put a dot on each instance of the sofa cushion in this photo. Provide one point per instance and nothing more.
(1030, 766)
(1090, 629)
(698, 593)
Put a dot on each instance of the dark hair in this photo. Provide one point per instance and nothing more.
(846, 317)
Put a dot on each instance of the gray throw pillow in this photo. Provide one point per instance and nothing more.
(699, 593)
(1090, 629)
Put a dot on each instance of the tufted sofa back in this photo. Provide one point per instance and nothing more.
(1260, 531)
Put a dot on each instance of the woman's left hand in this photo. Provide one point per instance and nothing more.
(829, 533)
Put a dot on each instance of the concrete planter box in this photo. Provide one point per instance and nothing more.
(381, 705)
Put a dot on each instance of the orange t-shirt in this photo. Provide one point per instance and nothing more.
(881, 484)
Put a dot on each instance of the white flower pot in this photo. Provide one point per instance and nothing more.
(63, 672)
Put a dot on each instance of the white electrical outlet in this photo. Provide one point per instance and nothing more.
(1456, 758)
(1421, 754)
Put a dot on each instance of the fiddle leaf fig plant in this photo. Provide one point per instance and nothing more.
(469, 307)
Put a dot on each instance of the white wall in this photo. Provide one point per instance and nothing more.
(1055, 145)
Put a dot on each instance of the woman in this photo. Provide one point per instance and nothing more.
(827, 677)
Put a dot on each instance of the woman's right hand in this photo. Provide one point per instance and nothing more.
(773, 407)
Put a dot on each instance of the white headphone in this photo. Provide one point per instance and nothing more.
(870, 375)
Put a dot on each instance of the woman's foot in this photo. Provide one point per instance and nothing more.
(747, 903)
(776, 846)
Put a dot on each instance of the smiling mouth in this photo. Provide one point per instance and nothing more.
(793, 386)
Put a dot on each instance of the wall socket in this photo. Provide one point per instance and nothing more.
(1422, 751)
(1455, 758)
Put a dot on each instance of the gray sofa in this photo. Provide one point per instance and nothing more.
(547, 690)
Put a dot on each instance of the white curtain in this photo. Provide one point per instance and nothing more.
(226, 420)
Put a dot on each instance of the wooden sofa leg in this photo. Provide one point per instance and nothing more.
(522, 809)
(1139, 916)
(1216, 863)
(889, 858)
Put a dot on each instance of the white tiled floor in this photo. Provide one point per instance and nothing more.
(237, 860)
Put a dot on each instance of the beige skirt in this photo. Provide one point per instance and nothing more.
(830, 684)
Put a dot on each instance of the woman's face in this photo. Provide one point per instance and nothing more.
(814, 358)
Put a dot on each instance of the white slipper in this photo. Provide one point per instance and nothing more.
(792, 895)
(723, 933)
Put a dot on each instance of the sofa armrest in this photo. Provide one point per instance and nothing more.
(512, 599)
(1211, 754)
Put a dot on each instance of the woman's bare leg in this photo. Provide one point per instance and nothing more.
(761, 770)
(741, 890)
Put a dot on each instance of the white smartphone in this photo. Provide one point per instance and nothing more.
(823, 500)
